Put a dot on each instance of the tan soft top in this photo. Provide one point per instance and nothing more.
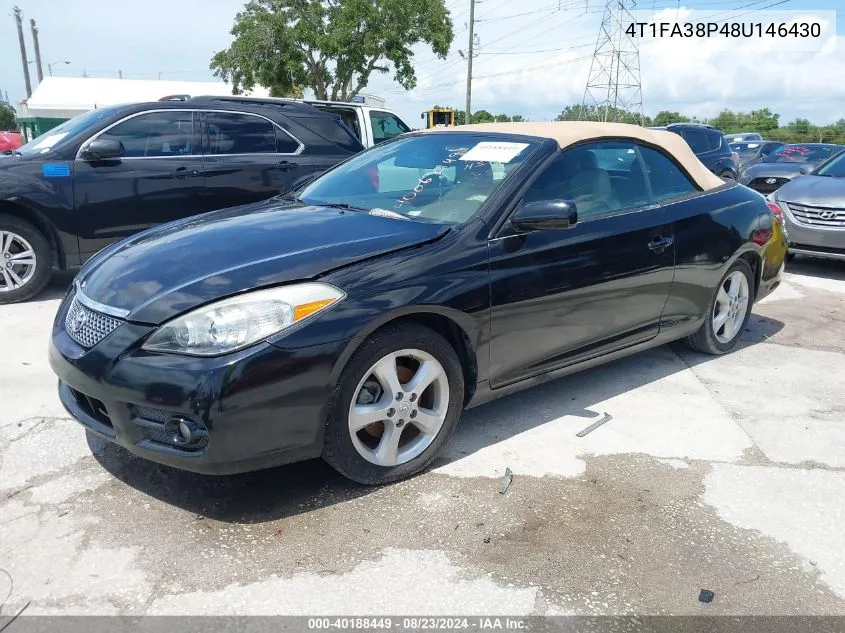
(568, 133)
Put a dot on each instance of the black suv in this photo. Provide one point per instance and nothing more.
(710, 145)
(118, 170)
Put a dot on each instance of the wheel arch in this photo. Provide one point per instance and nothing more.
(754, 259)
(27, 213)
(457, 327)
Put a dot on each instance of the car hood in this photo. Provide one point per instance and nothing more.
(170, 269)
(774, 170)
(815, 191)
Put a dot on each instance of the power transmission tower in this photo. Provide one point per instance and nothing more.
(613, 85)
(24, 60)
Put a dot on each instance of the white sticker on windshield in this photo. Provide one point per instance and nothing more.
(50, 140)
(494, 152)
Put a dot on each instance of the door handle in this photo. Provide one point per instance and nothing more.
(286, 165)
(184, 172)
(660, 243)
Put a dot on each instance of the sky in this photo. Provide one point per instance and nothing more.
(534, 55)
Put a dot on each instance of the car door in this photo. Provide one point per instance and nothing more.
(157, 179)
(247, 158)
(560, 296)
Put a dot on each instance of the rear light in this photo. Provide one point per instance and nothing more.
(735, 156)
(776, 211)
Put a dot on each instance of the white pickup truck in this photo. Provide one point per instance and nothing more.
(371, 122)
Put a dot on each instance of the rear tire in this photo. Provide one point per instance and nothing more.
(729, 175)
(420, 420)
(728, 312)
(22, 248)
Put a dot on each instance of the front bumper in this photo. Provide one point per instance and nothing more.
(820, 241)
(260, 407)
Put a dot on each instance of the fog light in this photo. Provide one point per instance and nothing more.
(185, 432)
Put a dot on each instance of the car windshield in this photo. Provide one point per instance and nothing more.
(745, 150)
(801, 154)
(70, 128)
(835, 168)
(437, 177)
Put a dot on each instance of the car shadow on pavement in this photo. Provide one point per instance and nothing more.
(285, 491)
(56, 288)
(816, 267)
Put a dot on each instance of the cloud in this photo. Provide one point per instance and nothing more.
(699, 76)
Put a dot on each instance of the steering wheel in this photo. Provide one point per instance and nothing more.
(440, 180)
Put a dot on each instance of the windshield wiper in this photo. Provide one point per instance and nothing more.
(341, 205)
(291, 196)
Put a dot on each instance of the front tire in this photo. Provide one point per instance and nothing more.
(396, 403)
(25, 260)
(728, 312)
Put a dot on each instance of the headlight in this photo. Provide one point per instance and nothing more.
(237, 322)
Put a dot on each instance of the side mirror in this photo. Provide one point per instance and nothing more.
(806, 169)
(103, 149)
(545, 214)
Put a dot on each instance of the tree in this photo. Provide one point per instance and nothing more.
(329, 46)
(482, 116)
(665, 117)
(592, 113)
(728, 122)
(8, 120)
(763, 121)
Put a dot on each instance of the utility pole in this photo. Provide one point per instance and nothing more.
(37, 50)
(469, 61)
(19, 21)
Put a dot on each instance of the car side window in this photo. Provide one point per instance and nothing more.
(285, 143)
(768, 149)
(348, 115)
(666, 178)
(234, 133)
(578, 175)
(386, 126)
(697, 140)
(162, 134)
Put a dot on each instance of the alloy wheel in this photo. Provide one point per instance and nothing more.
(730, 307)
(399, 407)
(17, 261)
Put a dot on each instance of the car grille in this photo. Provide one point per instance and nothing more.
(817, 216)
(761, 185)
(87, 327)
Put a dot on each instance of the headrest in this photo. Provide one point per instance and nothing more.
(590, 182)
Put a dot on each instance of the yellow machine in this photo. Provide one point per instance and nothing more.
(438, 117)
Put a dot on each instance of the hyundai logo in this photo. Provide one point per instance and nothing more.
(828, 215)
(771, 181)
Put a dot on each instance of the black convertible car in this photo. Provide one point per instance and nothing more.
(356, 318)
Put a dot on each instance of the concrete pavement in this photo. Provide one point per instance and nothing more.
(720, 473)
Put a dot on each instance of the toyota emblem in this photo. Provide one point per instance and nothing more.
(771, 181)
(78, 321)
(828, 215)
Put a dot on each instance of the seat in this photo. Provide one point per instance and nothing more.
(591, 192)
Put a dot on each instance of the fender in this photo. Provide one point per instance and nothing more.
(466, 324)
(44, 200)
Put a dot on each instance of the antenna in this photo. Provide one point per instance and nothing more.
(613, 85)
